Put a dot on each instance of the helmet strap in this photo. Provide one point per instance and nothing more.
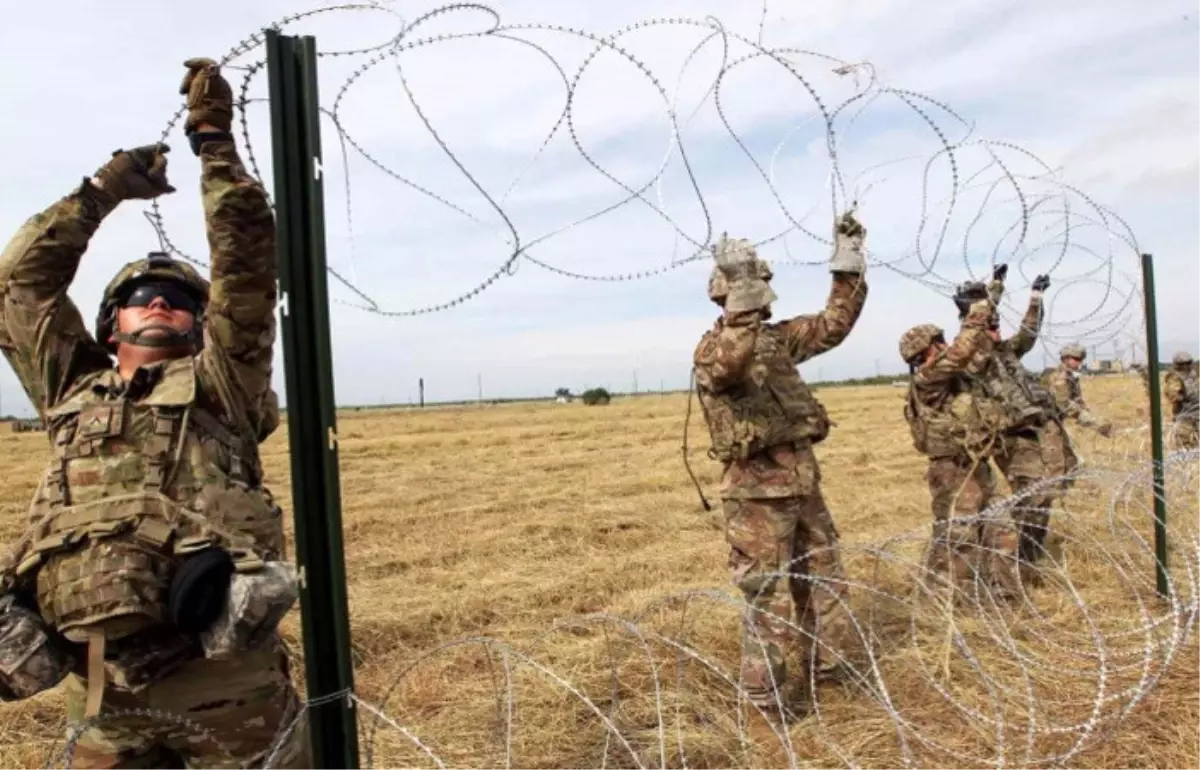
(172, 338)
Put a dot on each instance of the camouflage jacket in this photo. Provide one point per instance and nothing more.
(1181, 391)
(56, 358)
(940, 411)
(1012, 387)
(1068, 398)
(743, 365)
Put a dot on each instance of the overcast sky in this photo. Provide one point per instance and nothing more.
(1101, 95)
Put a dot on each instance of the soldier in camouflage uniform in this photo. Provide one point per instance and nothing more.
(1030, 430)
(1068, 395)
(764, 421)
(942, 411)
(1182, 391)
(151, 575)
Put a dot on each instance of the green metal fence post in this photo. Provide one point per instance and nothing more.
(1156, 432)
(312, 418)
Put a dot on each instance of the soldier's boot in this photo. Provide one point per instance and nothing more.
(1031, 575)
(1054, 548)
(999, 562)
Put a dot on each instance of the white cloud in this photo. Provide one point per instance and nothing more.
(1106, 93)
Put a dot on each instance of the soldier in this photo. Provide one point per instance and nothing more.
(1068, 395)
(1182, 392)
(764, 421)
(942, 411)
(1027, 425)
(152, 569)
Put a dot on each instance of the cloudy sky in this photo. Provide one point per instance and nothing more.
(1066, 122)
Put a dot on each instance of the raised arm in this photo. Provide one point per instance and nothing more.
(239, 325)
(42, 333)
(1026, 336)
(810, 335)
(966, 354)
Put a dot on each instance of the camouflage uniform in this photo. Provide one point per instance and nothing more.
(1068, 401)
(1068, 394)
(764, 420)
(1033, 432)
(167, 460)
(1181, 390)
(946, 427)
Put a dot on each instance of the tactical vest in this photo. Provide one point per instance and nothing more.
(959, 427)
(1015, 400)
(128, 493)
(770, 407)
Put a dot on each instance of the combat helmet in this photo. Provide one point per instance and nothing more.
(156, 266)
(740, 280)
(1183, 358)
(1073, 351)
(917, 340)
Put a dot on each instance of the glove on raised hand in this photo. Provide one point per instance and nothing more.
(209, 97)
(140, 173)
(848, 237)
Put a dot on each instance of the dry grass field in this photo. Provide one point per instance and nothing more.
(515, 522)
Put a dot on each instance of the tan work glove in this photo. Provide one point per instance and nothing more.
(209, 97)
(848, 237)
(138, 173)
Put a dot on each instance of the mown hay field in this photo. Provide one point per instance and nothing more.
(515, 522)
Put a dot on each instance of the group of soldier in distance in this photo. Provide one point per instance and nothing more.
(153, 572)
(970, 404)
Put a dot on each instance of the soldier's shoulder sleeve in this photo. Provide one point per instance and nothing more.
(808, 336)
(239, 326)
(42, 334)
(723, 356)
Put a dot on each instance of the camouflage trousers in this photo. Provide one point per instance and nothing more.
(1058, 458)
(1019, 457)
(965, 547)
(231, 713)
(784, 558)
(1184, 433)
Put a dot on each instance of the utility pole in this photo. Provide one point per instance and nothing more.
(421, 392)
(479, 382)
(635, 382)
(312, 415)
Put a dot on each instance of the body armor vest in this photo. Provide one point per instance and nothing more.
(770, 407)
(1016, 400)
(955, 427)
(129, 492)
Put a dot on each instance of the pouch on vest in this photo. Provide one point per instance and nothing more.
(198, 590)
(256, 603)
(32, 657)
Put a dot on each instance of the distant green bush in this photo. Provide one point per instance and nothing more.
(596, 396)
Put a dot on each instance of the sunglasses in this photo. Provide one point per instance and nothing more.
(174, 297)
